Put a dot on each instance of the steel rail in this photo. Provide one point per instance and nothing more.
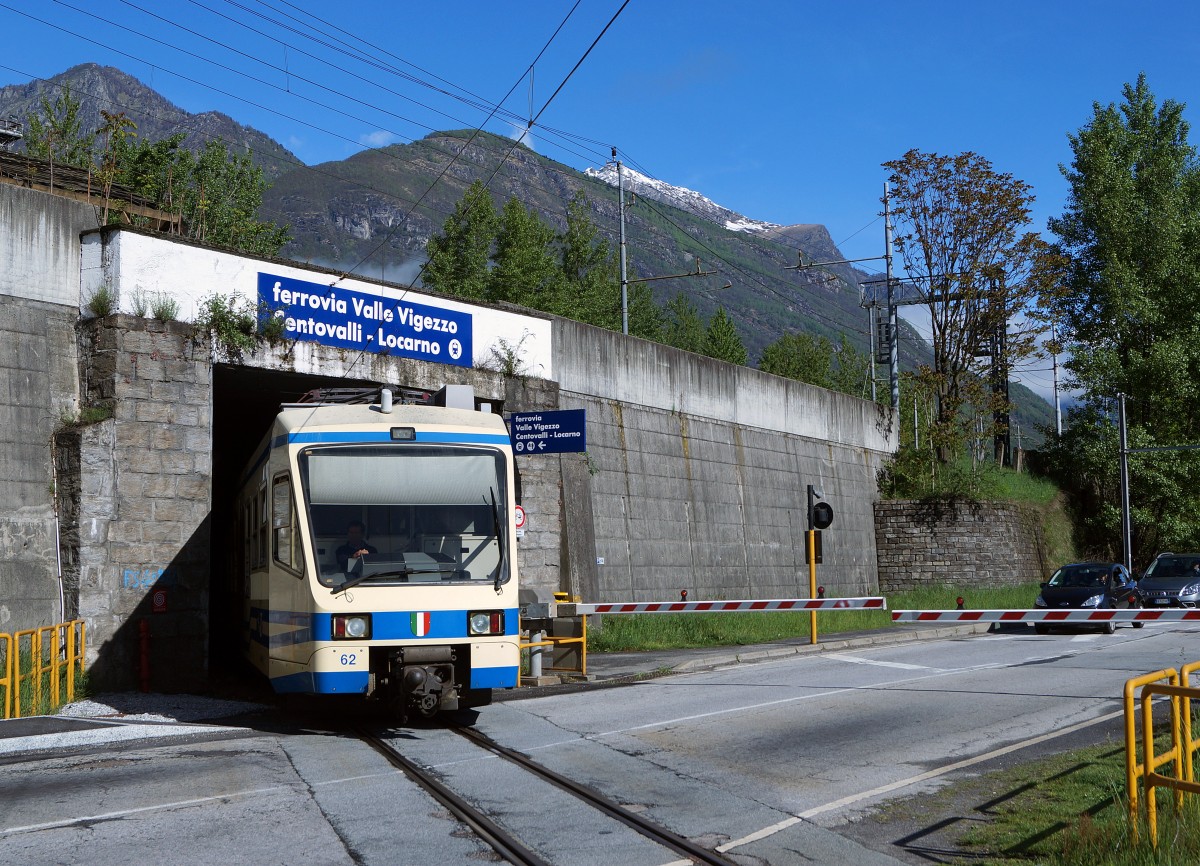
(645, 827)
(503, 842)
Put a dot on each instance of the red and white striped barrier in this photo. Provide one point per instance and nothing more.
(1176, 614)
(872, 603)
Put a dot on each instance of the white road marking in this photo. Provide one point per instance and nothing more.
(900, 666)
(123, 813)
(911, 780)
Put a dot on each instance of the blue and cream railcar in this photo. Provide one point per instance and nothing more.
(423, 614)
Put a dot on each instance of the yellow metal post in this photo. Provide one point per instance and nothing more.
(6, 669)
(810, 538)
(1133, 770)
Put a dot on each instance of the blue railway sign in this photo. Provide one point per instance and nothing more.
(552, 432)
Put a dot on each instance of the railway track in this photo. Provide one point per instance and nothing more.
(504, 842)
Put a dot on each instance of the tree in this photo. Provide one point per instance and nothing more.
(525, 266)
(683, 326)
(800, 356)
(959, 235)
(1129, 318)
(56, 133)
(721, 340)
(458, 257)
(116, 132)
(815, 360)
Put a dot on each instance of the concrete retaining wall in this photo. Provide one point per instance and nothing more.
(39, 298)
(990, 543)
(697, 473)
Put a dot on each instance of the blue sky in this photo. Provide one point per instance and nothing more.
(780, 110)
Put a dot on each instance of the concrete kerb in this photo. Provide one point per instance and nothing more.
(609, 667)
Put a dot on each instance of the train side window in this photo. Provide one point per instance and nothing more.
(285, 542)
(264, 518)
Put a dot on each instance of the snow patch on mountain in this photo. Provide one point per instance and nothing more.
(682, 198)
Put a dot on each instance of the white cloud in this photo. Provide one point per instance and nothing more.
(378, 138)
(520, 133)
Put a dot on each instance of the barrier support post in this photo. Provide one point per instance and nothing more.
(810, 545)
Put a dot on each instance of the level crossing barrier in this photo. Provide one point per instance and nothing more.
(865, 603)
(41, 666)
(541, 621)
(1050, 616)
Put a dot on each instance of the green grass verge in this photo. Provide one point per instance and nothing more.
(659, 631)
(1065, 810)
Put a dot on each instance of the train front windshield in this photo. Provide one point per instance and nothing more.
(401, 514)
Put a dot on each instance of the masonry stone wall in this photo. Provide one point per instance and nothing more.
(136, 537)
(960, 543)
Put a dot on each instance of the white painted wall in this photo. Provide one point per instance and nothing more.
(130, 263)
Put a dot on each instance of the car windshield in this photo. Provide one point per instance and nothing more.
(422, 513)
(1080, 575)
(1174, 566)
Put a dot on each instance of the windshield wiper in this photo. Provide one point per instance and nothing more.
(398, 572)
(499, 538)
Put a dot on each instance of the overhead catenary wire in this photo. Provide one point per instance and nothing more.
(475, 134)
(474, 100)
(814, 314)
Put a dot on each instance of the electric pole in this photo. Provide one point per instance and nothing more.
(624, 271)
(893, 348)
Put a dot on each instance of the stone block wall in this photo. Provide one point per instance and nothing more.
(962, 544)
(136, 541)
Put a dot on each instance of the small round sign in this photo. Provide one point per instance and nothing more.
(520, 517)
(822, 515)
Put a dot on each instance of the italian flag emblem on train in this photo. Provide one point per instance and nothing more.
(419, 623)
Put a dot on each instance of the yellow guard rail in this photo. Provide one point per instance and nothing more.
(41, 665)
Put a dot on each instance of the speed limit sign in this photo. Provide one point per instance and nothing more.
(520, 520)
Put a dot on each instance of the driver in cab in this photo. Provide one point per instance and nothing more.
(355, 546)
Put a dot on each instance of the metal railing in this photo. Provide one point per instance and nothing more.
(41, 666)
(1173, 685)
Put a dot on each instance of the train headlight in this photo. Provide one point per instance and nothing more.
(352, 626)
(486, 622)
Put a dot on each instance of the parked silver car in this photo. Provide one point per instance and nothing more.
(1172, 580)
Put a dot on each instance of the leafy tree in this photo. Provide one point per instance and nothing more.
(960, 236)
(221, 200)
(683, 327)
(721, 339)
(458, 257)
(115, 134)
(800, 356)
(525, 267)
(591, 272)
(815, 360)
(1130, 321)
(56, 133)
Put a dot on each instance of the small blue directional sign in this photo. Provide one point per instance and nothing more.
(553, 432)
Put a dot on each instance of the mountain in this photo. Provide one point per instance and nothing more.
(109, 89)
(364, 212)
(374, 212)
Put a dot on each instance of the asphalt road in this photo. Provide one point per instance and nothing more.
(764, 760)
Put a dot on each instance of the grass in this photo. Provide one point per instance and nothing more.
(633, 632)
(1066, 810)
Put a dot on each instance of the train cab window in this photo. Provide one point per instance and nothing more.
(430, 512)
(285, 539)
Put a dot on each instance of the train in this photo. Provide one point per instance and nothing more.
(376, 552)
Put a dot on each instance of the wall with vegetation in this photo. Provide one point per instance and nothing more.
(922, 543)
